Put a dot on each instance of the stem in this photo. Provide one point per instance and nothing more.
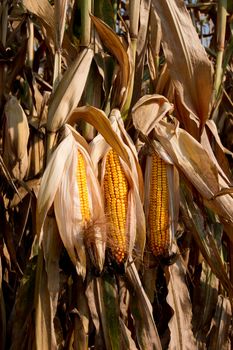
(221, 31)
(134, 7)
(86, 8)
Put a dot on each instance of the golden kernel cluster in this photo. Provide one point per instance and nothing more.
(116, 200)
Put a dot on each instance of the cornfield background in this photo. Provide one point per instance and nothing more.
(83, 81)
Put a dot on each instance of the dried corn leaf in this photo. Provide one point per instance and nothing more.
(190, 69)
(144, 13)
(127, 342)
(45, 13)
(22, 332)
(44, 327)
(219, 336)
(109, 310)
(178, 298)
(69, 90)
(99, 120)
(149, 110)
(16, 139)
(194, 221)
(115, 46)
(141, 309)
(205, 298)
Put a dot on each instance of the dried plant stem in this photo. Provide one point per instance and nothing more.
(221, 25)
(134, 6)
(86, 7)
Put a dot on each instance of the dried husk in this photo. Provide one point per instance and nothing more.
(16, 135)
(59, 186)
(135, 222)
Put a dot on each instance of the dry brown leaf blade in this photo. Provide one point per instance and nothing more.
(99, 120)
(180, 324)
(190, 69)
(69, 90)
(149, 110)
(219, 336)
(115, 46)
(141, 308)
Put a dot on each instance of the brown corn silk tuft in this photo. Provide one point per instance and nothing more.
(116, 202)
(82, 188)
(159, 208)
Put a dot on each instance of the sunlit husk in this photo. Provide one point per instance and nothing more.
(59, 186)
(16, 137)
(135, 222)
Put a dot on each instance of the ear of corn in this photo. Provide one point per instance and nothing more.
(116, 201)
(158, 219)
(82, 188)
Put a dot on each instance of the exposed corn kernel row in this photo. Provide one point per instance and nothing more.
(116, 201)
(158, 210)
(82, 187)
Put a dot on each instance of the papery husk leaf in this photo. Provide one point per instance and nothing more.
(190, 69)
(51, 179)
(205, 298)
(69, 90)
(109, 310)
(16, 139)
(35, 155)
(146, 331)
(115, 46)
(99, 120)
(180, 326)
(16, 127)
(44, 328)
(149, 110)
(76, 234)
(219, 336)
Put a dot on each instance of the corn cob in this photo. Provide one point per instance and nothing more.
(158, 209)
(82, 188)
(116, 202)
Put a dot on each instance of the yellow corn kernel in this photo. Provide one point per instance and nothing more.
(82, 187)
(158, 208)
(116, 202)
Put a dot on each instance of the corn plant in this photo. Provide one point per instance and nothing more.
(116, 206)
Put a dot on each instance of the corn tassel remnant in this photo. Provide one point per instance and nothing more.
(82, 188)
(116, 202)
(159, 208)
